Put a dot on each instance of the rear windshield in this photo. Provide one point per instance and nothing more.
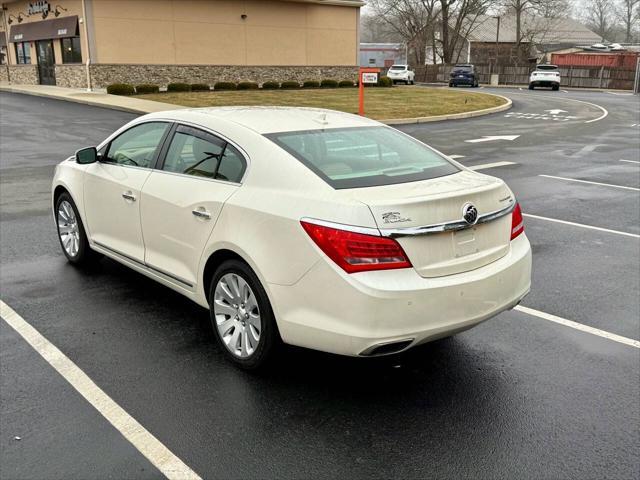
(364, 156)
(399, 67)
(462, 68)
(546, 67)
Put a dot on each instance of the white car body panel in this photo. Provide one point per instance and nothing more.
(316, 303)
(406, 75)
(115, 223)
(542, 77)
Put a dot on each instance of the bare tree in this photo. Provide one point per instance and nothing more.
(526, 13)
(409, 20)
(629, 14)
(459, 18)
(599, 16)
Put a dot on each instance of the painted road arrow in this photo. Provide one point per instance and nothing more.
(492, 138)
(556, 111)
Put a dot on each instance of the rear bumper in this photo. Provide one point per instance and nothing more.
(462, 81)
(331, 311)
(403, 78)
(545, 83)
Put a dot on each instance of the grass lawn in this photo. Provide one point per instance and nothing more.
(380, 103)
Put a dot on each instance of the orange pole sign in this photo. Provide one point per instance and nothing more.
(366, 75)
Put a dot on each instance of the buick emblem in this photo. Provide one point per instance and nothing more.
(470, 213)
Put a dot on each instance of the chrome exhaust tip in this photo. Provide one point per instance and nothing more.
(387, 348)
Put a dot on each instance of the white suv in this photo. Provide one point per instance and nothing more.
(545, 76)
(401, 73)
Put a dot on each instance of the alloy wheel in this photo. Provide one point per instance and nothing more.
(68, 229)
(237, 315)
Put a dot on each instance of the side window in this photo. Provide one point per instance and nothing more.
(232, 166)
(137, 146)
(197, 153)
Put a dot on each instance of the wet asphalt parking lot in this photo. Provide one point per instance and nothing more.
(518, 396)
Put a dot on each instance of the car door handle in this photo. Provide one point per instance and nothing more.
(201, 213)
(129, 196)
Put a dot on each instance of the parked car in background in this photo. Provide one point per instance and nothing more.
(305, 226)
(401, 73)
(463, 74)
(545, 76)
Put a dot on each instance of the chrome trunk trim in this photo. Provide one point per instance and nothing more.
(445, 227)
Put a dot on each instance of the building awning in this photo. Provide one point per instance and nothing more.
(3, 39)
(45, 30)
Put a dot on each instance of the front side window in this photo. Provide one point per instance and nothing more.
(364, 156)
(197, 153)
(137, 146)
(23, 52)
(71, 52)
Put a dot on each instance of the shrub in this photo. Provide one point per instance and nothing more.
(311, 84)
(225, 86)
(270, 85)
(329, 84)
(289, 85)
(178, 87)
(200, 87)
(385, 82)
(248, 86)
(120, 89)
(345, 84)
(147, 88)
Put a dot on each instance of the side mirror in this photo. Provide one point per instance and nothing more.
(87, 155)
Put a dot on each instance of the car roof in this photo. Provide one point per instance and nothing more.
(266, 120)
(547, 66)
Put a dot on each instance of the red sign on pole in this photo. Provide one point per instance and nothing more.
(366, 75)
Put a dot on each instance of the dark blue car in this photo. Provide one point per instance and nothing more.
(464, 74)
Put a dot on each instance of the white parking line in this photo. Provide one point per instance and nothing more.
(491, 165)
(573, 224)
(579, 326)
(159, 455)
(591, 183)
(604, 110)
(454, 157)
(630, 161)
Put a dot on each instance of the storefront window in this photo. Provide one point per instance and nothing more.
(71, 50)
(23, 52)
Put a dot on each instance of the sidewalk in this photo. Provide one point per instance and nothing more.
(97, 99)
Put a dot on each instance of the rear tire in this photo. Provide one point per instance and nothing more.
(71, 233)
(531, 87)
(555, 88)
(241, 316)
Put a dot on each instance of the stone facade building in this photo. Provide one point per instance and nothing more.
(81, 43)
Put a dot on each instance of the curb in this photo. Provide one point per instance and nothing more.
(453, 116)
(128, 109)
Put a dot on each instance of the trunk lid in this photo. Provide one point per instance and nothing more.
(439, 201)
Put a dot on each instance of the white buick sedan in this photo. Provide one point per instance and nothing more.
(309, 227)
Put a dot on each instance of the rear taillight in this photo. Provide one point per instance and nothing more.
(357, 252)
(517, 223)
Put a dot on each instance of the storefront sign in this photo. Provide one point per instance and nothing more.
(39, 6)
(369, 78)
(62, 31)
(17, 37)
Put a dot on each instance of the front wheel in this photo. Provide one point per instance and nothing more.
(71, 232)
(555, 88)
(241, 316)
(531, 87)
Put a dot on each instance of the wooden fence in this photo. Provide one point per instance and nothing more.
(571, 75)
